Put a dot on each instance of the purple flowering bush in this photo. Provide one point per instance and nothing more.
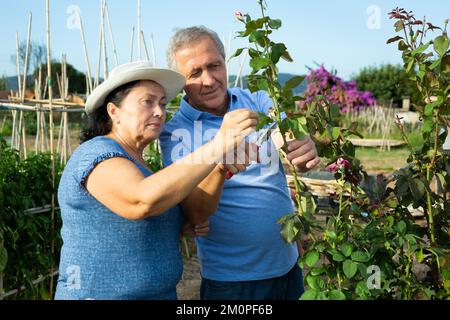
(343, 93)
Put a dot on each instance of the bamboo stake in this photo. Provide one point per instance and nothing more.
(145, 45)
(152, 44)
(86, 57)
(139, 28)
(111, 34)
(65, 84)
(19, 78)
(52, 158)
(15, 107)
(238, 76)
(105, 53)
(24, 138)
(57, 103)
(36, 94)
(25, 72)
(131, 45)
(19, 131)
(97, 78)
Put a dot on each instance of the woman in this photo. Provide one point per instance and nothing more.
(121, 222)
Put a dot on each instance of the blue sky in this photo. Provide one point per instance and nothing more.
(346, 34)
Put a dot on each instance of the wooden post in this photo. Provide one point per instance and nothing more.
(52, 158)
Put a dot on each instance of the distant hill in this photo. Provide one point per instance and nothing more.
(12, 82)
(283, 77)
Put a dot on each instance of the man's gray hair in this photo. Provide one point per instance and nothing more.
(187, 37)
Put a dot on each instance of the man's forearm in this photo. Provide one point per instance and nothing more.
(202, 202)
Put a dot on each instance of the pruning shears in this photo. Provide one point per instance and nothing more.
(263, 135)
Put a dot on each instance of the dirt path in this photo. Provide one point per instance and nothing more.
(189, 286)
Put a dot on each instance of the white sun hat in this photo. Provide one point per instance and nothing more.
(171, 81)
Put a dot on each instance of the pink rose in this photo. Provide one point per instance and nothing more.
(239, 15)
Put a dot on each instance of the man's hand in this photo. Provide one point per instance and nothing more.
(303, 154)
(200, 230)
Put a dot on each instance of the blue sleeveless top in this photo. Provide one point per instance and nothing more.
(105, 256)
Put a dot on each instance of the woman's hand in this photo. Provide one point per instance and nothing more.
(236, 125)
(243, 157)
(199, 230)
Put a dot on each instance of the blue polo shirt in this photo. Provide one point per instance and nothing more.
(244, 241)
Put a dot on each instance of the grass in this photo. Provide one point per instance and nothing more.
(386, 162)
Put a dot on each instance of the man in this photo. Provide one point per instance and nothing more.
(243, 256)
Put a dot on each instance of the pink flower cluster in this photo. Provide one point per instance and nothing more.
(340, 164)
(342, 93)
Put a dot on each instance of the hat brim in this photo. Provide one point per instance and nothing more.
(171, 81)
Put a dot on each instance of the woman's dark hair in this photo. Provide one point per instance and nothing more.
(99, 123)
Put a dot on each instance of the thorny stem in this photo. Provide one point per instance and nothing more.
(430, 212)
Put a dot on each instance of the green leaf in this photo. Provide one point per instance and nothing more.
(286, 56)
(442, 181)
(275, 23)
(441, 44)
(263, 121)
(317, 271)
(293, 82)
(417, 188)
(398, 25)
(401, 227)
(311, 258)
(237, 53)
(420, 49)
(347, 249)
(259, 63)
(337, 295)
(298, 127)
(349, 267)
(445, 65)
(315, 282)
(396, 38)
(3, 258)
(360, 256)
(310, 294)
(402, 46)
(410, 65)
(428, 125)
(278, 49)
(262, 84)
(335, 111)
(255, 36)
(335, 133)
(435, 64)
(339, 257)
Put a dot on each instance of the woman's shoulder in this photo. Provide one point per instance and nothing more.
(95, 150)
(98, 145)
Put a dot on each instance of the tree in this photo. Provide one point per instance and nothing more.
(36, 55)
(77, 79)
(3, 83)
(387, 83)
